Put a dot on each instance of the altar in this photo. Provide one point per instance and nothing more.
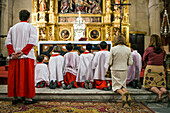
(46, 47)
(55, 20)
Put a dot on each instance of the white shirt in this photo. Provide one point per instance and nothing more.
(56, 65)
(71, 61)
(100, 64)
(85, 71)
(41, 73)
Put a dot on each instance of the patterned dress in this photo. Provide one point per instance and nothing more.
(154, 75)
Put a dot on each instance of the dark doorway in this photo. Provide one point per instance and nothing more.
(138, 39)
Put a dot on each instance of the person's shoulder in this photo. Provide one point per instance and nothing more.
(31, 26)
(149, 49)
(60, 56)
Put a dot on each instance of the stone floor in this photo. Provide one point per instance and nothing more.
(159, 107)
(81, 94)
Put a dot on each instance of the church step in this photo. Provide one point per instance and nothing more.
(81, 94)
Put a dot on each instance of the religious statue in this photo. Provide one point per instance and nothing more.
(81, 6)
(97, 8)
(42, 33)
(91, 6)
(64, 6)
(42, 5)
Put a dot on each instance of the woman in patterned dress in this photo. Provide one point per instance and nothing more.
(154, 75)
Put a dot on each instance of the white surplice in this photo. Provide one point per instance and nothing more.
(41, 73)
(85, 71)
(71, 61)
(56, 65)
(100, 65)
(139, 64)
(135, 69)
(20, 39)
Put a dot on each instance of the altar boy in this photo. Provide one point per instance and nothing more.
(100, 66)
(56, 65)
(41, 73)
(85, 71)
(71, 61)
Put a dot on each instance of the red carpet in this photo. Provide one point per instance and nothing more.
(74, 107)
(3, 75)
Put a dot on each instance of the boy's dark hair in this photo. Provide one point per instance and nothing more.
(134, 47)
(24, 15)
(89, 47)
(69, 47)
(103, 45)
(40, 58)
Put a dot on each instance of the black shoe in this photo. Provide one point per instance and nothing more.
(38, 84)
(51, 84)
(134, 83)
(64, 86)
(70, 85)
(30, 102)
(22, 98)
(138, 84)
(42, 85)
(16, 101)
(105, 89)
(90, 85)
(55, 84)
(108, 85)
(86, 84)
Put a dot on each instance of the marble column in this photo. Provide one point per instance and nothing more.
(154, 7)
(2, 25)
(2, 11)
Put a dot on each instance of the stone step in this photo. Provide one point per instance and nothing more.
(81, 94)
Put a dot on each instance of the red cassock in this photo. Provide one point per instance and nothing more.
(69, 77)
(100, 84)
(21, 74)
(71, 61)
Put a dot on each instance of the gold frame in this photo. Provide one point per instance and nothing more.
(98, 30)
(61, 32)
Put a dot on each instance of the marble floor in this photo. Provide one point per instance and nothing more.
(3, 89)
(81, 94)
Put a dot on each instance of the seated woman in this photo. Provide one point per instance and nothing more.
(154, 75)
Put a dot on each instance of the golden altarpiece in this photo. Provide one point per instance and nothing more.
(54, 19)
